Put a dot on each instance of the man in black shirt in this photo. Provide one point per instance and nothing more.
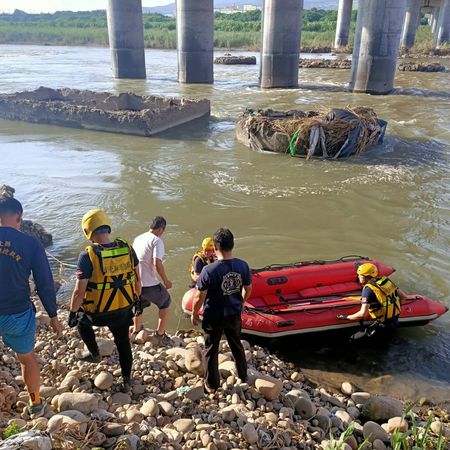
(222, 288)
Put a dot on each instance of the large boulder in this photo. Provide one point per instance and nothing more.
(194, 359)
(270, 388)
(382, 408)
(104, 380)
(80, 401)
(74, 422)
(27, 440)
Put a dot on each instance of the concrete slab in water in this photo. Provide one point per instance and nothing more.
(125, 113)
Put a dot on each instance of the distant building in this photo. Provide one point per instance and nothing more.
(229, 10)
(236, 9)
(251, 8)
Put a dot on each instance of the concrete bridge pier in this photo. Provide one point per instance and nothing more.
(343, 23)
(411, 23)
(281, 31)
(195, 41)
(443, 25)
(434, 19)
(126, 38)
(377, 41)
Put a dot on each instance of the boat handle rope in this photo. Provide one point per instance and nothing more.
(310, 263)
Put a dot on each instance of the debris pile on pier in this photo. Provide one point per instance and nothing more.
(323, 63)
(421, 67)
(229, 59)
(331, 134)
(125, 113)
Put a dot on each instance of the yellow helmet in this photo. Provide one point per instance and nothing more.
(92, 220)
(208, 243)
(368, 270)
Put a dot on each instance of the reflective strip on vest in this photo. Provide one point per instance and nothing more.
(114, 252)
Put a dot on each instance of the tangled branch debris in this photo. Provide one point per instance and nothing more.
(333, 133)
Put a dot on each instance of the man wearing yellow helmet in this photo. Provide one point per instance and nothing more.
(380, 298)
(202, 258)
(105, 292)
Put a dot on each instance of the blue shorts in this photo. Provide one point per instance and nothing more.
(18, 331)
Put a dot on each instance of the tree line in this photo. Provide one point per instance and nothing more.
(238, 30)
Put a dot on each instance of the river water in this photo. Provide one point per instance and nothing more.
(392, 203)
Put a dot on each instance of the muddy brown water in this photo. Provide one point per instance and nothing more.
(392, 203)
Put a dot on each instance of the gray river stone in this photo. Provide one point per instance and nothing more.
(305, 408)
(373, 431)
(382, 408)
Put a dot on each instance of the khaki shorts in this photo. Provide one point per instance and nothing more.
(158, 295)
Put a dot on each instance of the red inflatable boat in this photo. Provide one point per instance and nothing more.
(305, 297)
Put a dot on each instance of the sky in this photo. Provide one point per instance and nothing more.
(37, 6)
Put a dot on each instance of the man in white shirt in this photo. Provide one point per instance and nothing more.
(149, 249)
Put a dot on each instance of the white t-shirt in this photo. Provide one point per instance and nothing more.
(148, 246)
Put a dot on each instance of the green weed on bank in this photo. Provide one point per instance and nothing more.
(416, 438)
(11, 430)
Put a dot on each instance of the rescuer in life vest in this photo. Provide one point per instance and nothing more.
(380, 299)
(106, 291)
(202, 258)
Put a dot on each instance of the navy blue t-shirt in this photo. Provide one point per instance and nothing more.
(371, 297)
(20, 256)
(223, 280)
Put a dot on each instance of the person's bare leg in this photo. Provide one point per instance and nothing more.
(162, 320)
(31, 374)
(137, 324)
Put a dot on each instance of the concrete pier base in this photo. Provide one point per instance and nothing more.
(343, 23)
(443, 25)
(377, 41)
(434, 19)
(126, 38)
(281, 32)
(195, 41)
(411, 23)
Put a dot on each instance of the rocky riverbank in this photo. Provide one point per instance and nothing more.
(27, 226)
(167, 407)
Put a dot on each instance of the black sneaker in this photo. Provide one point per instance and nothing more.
(87, 356)
(163, 339)
(126, 385)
